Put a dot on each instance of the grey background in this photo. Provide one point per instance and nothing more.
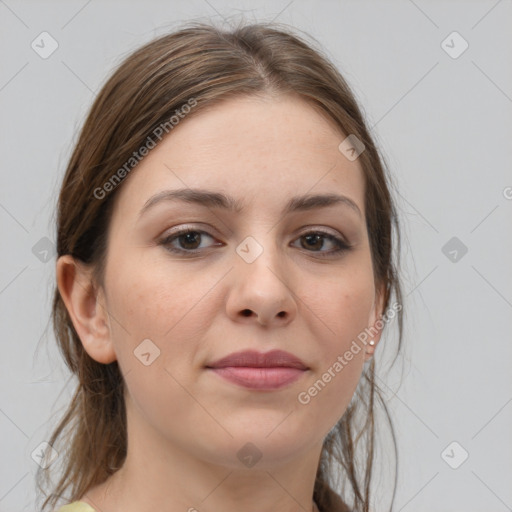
(444, 125)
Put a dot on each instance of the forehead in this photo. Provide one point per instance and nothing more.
(249, 147)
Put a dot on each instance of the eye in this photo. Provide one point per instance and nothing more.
(188, 239)
(314, 241)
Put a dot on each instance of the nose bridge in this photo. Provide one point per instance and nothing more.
(258, 246)
(260, 281)
(262, 256)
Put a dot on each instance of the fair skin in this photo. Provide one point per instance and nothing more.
(185, 424)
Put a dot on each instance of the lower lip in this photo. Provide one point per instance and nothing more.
(259, 378)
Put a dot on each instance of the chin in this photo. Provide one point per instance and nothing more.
(263, 448)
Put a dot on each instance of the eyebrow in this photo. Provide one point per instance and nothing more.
(212, 199)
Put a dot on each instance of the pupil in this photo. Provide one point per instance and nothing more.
(190, 238)
(317, 237)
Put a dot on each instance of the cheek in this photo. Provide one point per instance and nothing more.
(170, 309)
(164, 304)
(152, 298)
(344, 309)
(344, 306)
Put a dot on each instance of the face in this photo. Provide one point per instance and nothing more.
(188, 283)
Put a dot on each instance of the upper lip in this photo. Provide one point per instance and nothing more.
(254, 359)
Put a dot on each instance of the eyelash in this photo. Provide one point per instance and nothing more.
(339, 243)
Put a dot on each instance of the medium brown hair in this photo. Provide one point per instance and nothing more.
(207, 64)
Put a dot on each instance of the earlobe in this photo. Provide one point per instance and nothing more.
(86, 307)
(376, 326)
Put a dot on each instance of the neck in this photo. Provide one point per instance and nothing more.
(161, 475)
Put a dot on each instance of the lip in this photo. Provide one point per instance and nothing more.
(254, 359)
(256, 370)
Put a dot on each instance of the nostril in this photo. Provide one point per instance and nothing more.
(246, 312)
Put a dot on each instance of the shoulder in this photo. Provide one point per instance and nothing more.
(76, 506)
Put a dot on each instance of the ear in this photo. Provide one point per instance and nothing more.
(86, 307)
(375, 323)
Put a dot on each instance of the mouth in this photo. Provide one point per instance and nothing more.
(259, 378)
(261, 371)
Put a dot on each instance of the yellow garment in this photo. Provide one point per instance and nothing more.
(76, 506)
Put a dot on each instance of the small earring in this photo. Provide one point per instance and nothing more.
(372, 342)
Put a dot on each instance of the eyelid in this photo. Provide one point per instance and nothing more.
(322, 229)
(191, 227)
(340, 242)
(304, 230)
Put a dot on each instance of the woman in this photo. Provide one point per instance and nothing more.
(225, 271)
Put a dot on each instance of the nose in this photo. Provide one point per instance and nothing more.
(261, 291)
